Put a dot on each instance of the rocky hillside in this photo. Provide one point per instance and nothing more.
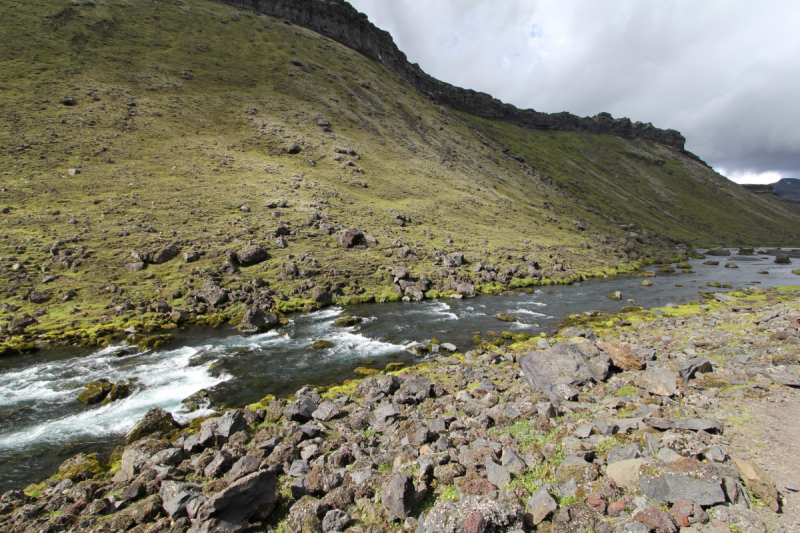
(167, 162)
(634, 423)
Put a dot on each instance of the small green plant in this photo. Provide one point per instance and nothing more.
(521, 430)
(532, 478)
(449, 493)
(412, 469)
(569, 500)
(383, 468)
(369, 432)
(626, 391)
(605, 445)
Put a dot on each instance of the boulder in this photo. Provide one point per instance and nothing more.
(80, 467)
(622, 356)
(693, 366)
(352, 238)
(551, 369)
(212, 294)
(498, 475)
(252, 256)
(656, 520)
(335, 520)
(719, 252)
(539, 507)
(577, 469)
(165, 254)
(293, 149)
(466, 288)
(156, 423)
(576, 517)
(687, 424)
(625, 473)
(96, 392)
(659, 381)
(217, 431)
(758, 481)
(414, 389)
(252, 497)
(321, 296)
(319, 345)
(399, 495)
(301, 410)
(685, 478)
(472, 514)
(505, 318)
(782, 259)
(37, 297)
(257, 321)
(176, 495)
(306, 515)
(743, 520)
(18, 325)
(326, 411)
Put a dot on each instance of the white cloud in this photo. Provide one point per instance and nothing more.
(723, 72)
(751, 177)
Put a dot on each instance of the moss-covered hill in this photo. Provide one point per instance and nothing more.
(129, 125)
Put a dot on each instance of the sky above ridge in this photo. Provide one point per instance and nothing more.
(725, 73)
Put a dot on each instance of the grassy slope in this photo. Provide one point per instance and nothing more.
(217, 101)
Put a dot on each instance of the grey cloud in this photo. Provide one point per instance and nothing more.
(722, 72)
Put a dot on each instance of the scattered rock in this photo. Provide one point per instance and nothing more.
(758, 481)
(257, 321)
(156, 423)
(622, 356)
(252, 256)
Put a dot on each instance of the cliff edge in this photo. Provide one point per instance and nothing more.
(339, 21)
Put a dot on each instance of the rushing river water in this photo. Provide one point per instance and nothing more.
(42, 424)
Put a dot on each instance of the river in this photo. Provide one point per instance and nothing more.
(42, 424)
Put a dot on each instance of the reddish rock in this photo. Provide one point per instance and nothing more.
(657, 520)
(595, 501)
(616, 508)
(682, 507)
(475, 523)
(474, 485)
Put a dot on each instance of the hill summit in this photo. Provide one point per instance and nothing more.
(167, 162)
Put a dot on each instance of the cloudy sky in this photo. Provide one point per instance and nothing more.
(725, 73)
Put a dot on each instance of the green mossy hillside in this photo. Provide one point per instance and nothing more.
(129, 125)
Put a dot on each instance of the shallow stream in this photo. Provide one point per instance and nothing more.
(42, 424)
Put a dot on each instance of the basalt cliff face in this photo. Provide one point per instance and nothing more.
(339, 21)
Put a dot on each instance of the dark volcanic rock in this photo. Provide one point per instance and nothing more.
(252, 256)
(251, 498)
(157, 422)
(398, 495)
(168, 252)
(352, 238)
(257, 321)
(551, 370)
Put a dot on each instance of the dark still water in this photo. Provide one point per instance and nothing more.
(42, 424)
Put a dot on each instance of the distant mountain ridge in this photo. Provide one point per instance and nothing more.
(338, 20)
(788, 189)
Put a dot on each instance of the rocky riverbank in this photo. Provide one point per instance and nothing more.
(631, 423)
